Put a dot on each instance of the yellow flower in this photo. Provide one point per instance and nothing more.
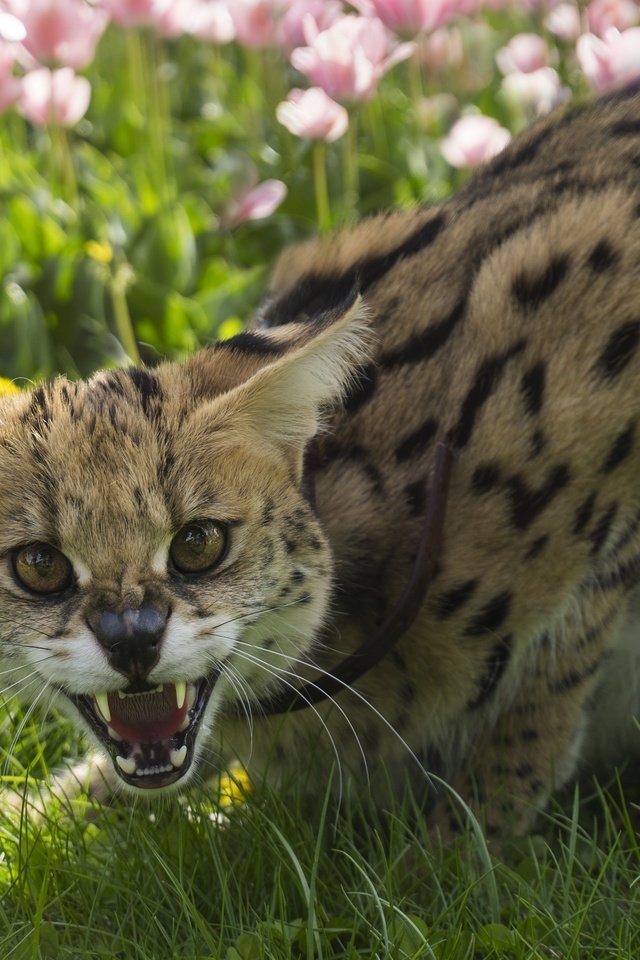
(234, 787)
(99, 250)
(8, 386)
(229, 328)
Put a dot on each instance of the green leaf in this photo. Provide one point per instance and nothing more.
(166, 251)
(23, 215)
(497, 937)
(248, 946)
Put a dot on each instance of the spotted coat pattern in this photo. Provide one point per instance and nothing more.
(505, 323)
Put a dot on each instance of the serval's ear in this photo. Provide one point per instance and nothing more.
(283, 402)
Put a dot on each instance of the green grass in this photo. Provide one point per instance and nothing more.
(286, 877)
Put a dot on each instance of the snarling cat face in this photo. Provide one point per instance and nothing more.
(159, 562)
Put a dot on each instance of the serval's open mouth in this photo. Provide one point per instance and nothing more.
(149, 734)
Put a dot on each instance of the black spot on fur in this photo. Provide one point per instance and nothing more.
(529, 734)
(362, 389)
(484, 384)
(491, 616)
(627, 535)
(532, 387)
(625, 128)
(251, 342)
(316, 293)
(624, 575)
(38, 410)
(531, 290)
(527, 502)
(495, 666)
(294, 525)
(619, 350)
(485, 478)
(407, 691)
(602, 528)
(314, 296)
(359, 456)
(166, 465)
(584, 514)
(452, 600)
(371, 270)
(39, 399)
(602, 257)
(113, 382)
(620, 449)
(416, 494)
(523, 771)
(267, 513)
(147, 387)
(423, 346)
(538, 443)
(573, 678)
(417, 441)
(537, 547)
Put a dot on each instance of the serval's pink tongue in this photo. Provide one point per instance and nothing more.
(147, 717)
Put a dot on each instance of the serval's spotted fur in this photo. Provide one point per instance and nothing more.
(505, 323)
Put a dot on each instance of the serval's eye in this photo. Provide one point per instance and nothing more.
(199, 546)
(42, 569)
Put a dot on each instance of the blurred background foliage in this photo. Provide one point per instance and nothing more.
(118, 238)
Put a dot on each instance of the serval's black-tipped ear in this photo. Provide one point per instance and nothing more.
(283, 403)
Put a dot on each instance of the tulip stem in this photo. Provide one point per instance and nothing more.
(124, 327)
(320, 184)
(158, 118)
(415, 81)
(351, 173)
(64, 175)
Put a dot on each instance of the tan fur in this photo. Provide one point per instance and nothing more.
(506, 324)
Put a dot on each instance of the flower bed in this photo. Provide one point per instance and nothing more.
(156, 154)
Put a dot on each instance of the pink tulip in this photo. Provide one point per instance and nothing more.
(440, 49)
(603, 14)
(538, 91)
(311, 113)
(10, 86)
(563, 21)
(63, 32)
(254, 21)
(11, 29)
(413, 16)
(524, 53)
(291, 25)
(610, 62)
(473, 140)
(135, 13)
(207, 20)
(256, 203)
(54, 96)
(348, 58)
